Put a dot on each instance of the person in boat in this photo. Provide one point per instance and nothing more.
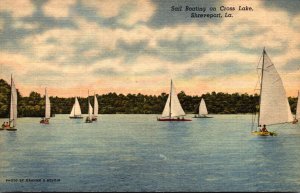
(259, 128)
(264, 129)
(88, 119)
(7, 124)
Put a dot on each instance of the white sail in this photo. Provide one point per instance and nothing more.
(298, 108)
(76, 111)
(90, 111)
(13, 105)
(47, 106)
(173, 107)
(96, 106)
(202, 108)
(274, 105)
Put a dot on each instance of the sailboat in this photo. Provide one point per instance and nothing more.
(274, 107)
(76, 111)
(202, 110)
(173, 110)
(96, 106)
(90, 112)
(13, 112)
(297, 115)
(45, 120)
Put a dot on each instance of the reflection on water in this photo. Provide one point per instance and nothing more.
(139, 153)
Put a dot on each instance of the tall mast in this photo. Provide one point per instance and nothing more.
(88, 104)
(170, 100)
(297, 105)
(261, 80)
(11, 109)
(45, 100)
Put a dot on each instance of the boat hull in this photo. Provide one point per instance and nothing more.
(4, 128)
(201, 117)
(261, 133)
(44, 122)
(76, 117)
(161, 119)
(11, 129)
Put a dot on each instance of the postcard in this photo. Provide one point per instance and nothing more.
(149, 95)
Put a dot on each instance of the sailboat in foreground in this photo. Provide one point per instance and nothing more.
(297, 115)
(45, 120)
(76, 111)
(173, 110)
(274, 107)
(96, 106)
(13, 112)
(202, 110)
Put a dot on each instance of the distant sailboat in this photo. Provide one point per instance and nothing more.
(274, 107)
(173, 110)
(76, 111)
(202, 110)
(45, 120)
(90, 112)
(297, 115)
(13, 112)
(96, 106)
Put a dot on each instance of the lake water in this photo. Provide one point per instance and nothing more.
(138, 153)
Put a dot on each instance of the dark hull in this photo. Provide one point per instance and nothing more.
(11, 129)
(201, 117)
(44, 122)
(161, 119)
(76, 117)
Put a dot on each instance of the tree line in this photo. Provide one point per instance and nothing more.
(113, 103)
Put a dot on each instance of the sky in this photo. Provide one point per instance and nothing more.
(127, 46)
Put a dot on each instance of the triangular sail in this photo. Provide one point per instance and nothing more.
(96, 106)
(173, 107)
(202, 108)
(274, 106)
(13, 105)
(47, 106)
(76, 111)
(298, 108)
(90, 111)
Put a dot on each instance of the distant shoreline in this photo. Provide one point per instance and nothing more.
(113, 103)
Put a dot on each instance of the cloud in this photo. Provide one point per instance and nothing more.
(292, 65)
(20, 8)
(123, 46)
(57, 8)
(127, 12)
(291, 7)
